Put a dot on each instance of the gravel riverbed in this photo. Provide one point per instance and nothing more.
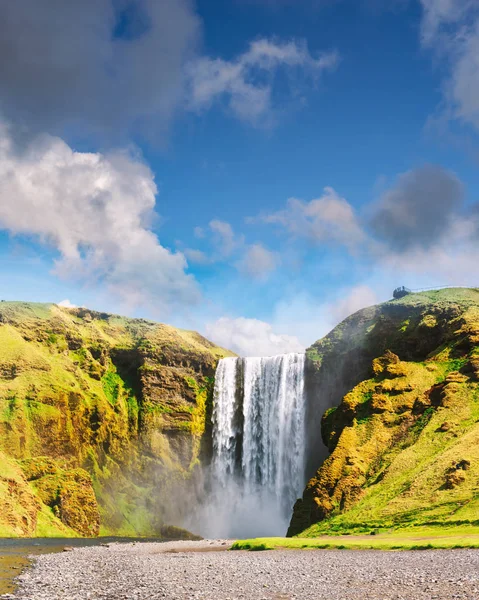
(202, 571)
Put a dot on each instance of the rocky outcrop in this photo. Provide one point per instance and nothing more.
(104, 416)
(400, 381)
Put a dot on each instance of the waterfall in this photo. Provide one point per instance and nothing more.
(258, 444)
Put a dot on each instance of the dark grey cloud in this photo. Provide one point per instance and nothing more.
(103, 65)
(418, 212)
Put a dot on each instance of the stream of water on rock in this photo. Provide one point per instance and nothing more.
(258, 445)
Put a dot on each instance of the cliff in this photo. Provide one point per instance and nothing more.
(101, 421)
(401, 381)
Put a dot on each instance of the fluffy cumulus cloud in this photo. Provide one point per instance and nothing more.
(329, 218)
(251, 337)
(246, 82)
(95, 210)
(451, 29)
(104, 65)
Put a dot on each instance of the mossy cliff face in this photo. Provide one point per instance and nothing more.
(102, 420)
(401, 379)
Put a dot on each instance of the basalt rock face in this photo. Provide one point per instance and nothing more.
(102, 420)
(400, 384)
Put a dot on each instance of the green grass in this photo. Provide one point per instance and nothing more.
(420, 538)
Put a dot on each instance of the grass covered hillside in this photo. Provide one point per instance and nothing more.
(101, 420)
(404, 438)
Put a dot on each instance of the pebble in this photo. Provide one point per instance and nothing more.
(205, 571)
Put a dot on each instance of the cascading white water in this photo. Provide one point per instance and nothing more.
(226, 429)
(258, 444)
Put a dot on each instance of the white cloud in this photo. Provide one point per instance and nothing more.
(325, 219)
(451, 29)
(251, 337)
(226, 246)
(258, 261)
(358, 297)
(94, 209)
(66, 304)
(223, 241)
(224, 237)
(197, 257)
(246, 82)
(439, 13)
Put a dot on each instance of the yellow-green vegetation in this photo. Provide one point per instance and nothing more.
(404, 440)
(420, 538)
(101, 420)
(23, 513)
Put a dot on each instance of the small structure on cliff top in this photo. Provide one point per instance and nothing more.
(400, 292)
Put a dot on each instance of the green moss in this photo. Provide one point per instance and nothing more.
(112, 385)
(104, 393)
(396, 438)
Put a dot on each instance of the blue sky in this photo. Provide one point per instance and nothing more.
(255, 170)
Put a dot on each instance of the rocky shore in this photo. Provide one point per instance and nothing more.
(204, 571)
